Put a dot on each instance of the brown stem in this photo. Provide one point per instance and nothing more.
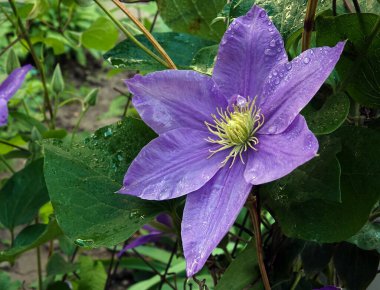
(148, 35)
(37, 61)
(308, 23)
(9, 46)
(253, 210)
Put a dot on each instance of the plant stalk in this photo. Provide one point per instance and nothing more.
(308, 23)
(37, 61)
(130, 35)
(255, 217)
(148, 35)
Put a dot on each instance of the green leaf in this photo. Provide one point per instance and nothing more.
(39, 8)
(317, 179)
(330, 116)
(193, 16)
(28, 121)
(31, 237)
(7, 283)
(242, 271)
(326, 221)
(287, 15)
(315, 257)
(204, 60)
(101, 35)
(356, 268)
(360, 60)
(82, 181)
(23, 195)
(180, 47)
(57, 265)
(92, 274)
(58, 285)
(5, 149)
(368, 238)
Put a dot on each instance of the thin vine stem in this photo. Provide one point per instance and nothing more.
(7, 165)
(130, 35)
(147, 34)
(14, 146)
(254, 209)
(308, 23)
(37, 61)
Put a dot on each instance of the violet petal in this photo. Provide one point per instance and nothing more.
(278, 155)
(3, 112)
(172, 99)
(249, 50)
(172, 165)
(292, 85)
(210, 212)
(13, 82)
(142, 240)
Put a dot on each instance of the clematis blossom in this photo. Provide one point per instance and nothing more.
(8, 88)
(163, 228)
(221, 135)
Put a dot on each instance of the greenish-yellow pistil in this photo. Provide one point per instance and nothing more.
(235, 129)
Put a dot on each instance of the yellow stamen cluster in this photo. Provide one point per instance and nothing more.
(235, 129)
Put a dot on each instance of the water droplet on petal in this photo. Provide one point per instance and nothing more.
(272, 43)
(262, 14)
(276, 81)
(306, 60)
(274, 72)
(269, 52)
(270, 29)
(269, 23)
(288, 66)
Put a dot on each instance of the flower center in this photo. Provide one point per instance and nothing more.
(235, 129)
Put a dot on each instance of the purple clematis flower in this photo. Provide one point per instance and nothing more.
(221, 135)
(155, 233)
(8, 88)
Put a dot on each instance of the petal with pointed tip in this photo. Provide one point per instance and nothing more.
(172, 99)
(172, 165)
(278, 155)
(249, 50)
(293, 85)
(210, 212)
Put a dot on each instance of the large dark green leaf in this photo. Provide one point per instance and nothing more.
(31, 237)
(181, 47)
(360, 60)
(356, 268)
(289, 15)
(315, 257)
(82, 182)
(330, 116)
(204, 59)
(243, 271)
(327, 221)
(317, 179)
(23, 195)
(193, 16)
(368, 238)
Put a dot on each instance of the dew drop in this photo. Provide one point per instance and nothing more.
(276, 81)
(270, 29)
(269, 23)
(274, 72)
(262, 14)
(306, 60)
(272, 43)
(289, 66)
(269, 52)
